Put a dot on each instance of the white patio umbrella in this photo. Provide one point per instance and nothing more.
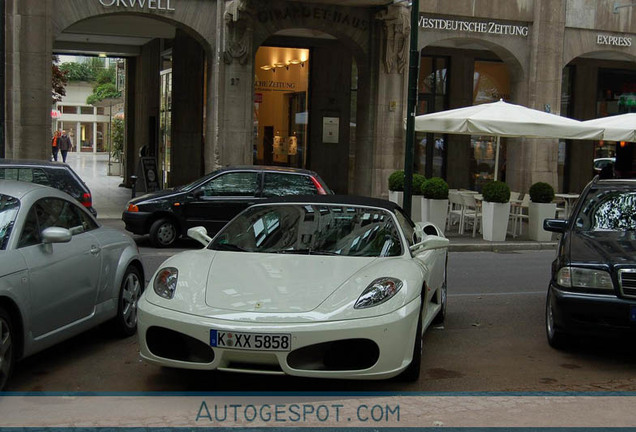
(502, 119)
(620, 127)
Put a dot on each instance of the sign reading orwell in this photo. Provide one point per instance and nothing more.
(163, 5)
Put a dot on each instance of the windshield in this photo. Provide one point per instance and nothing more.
(607, 210)
(312, 229)
(8, 211)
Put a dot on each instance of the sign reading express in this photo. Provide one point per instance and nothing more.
(165, 5)
(488, 27)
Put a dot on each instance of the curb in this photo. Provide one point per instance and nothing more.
(500, 246)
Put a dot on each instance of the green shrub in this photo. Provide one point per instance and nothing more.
(435, 188)
(396, 181)
(418, 182)
(541, 192)
(496, 191)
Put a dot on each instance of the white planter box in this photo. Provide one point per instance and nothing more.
(537, 212)
(435, 211)
(396, 197)
(416, 204)
(494, 218)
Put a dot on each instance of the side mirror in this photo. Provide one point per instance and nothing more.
(56, 235)
(200, 234)
(431, 242)
(197, 193)
(555, 225)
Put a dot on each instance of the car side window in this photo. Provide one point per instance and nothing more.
(55, 212)
(278, 184)
(30, 234)
(64, 181)
(407, 227)
(232, 184)
(31, 175)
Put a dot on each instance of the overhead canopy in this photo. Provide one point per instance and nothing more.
(505, 120)
(621, 127)
(502, 119)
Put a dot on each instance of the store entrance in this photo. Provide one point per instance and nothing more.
(280, 106)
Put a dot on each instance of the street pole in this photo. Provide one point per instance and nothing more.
(414, 62)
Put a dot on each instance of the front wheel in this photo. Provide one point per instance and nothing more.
(125, 322)
(556, 338)
(163, 233)
(7, 353)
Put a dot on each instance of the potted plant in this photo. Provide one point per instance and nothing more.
(435, 202)
(396, 192)
(495, 210)
(541, 207)
(396, 187)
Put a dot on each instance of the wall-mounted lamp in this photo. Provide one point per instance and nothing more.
(102, 55)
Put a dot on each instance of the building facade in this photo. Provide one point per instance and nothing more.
(322, 84)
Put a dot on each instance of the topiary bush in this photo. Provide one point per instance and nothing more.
(541, 192)
(418, 182)
(496, 191)
(435, 188)
(396, 181)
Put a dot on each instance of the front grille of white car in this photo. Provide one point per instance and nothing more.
(627, 282)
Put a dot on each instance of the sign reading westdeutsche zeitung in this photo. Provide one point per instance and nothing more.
(473, 26)
(139, 4)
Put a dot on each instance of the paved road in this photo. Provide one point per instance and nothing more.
(493, 340)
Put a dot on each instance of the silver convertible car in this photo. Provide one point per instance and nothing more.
(60, 272)
(321, 286)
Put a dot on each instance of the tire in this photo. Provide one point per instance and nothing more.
(163, 233)
(125, 323)
(412, 372)
(556, 338)
(7, 352)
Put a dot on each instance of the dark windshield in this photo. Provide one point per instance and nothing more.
(607, 210)
(8, 212)
(312, 229)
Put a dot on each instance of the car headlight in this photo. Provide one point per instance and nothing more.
(165, 283)
(578, 277)
(379, 291)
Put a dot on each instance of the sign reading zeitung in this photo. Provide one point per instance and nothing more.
(488, 27)
(139, 4)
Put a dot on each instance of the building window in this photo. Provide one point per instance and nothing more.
(87, 110)
(67, 109)
(431, 149)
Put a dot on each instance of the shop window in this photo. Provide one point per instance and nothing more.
(433, 97)
(281, 106)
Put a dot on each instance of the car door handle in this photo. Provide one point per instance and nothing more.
(95, 250)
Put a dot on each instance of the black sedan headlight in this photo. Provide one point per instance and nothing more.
(584, 278)
(379, 291)
(165, 283)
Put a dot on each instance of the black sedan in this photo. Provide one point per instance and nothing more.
(593, 284)
(214, 200)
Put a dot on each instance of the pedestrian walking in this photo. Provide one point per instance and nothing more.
(64, 143)
(54, 147)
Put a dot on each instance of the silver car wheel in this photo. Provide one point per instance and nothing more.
(6, 351)
(131, 291)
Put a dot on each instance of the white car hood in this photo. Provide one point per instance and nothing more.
(275, 283)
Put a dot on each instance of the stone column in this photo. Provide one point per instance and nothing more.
(28, 79)
(235, 85)
(390, 108)
(540, 156)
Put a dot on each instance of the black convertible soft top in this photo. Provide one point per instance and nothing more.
(334, 199)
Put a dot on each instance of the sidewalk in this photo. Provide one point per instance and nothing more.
(109, 199)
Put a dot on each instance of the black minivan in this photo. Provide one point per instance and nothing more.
(57, 175)
(214, 200)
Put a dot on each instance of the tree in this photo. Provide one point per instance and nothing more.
(58, 81)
